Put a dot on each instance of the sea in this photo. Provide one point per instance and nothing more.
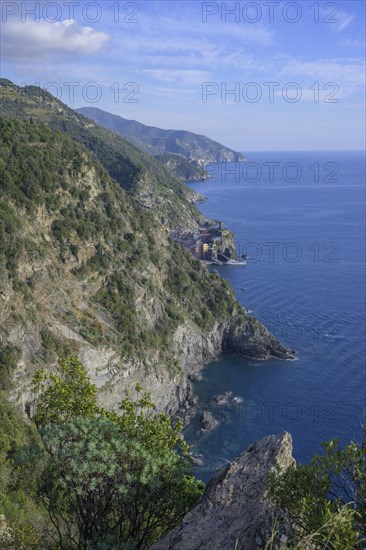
(300, 219)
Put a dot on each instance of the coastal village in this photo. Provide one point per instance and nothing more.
(212, 244)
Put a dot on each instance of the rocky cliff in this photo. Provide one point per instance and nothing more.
(184, 168)
(88, 267)
(233, 513)
(195, 348)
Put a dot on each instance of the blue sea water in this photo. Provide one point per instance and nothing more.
(301, 219)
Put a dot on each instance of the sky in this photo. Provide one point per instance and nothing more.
(262, 75)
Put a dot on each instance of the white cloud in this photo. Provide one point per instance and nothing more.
(178, 76)
(343, 71)
(354, 43)
(343, 20)
(189, 43)
(25, 40)
(192, 27)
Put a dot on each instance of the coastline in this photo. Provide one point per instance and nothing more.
(233, 343)
(311, 304)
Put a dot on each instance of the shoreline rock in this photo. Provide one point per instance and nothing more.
(233, 511)
(223, 398)
(208, 422)
(173, 393)
(197, 460)
(196, 377)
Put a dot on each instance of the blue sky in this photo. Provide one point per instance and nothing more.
(296, 70)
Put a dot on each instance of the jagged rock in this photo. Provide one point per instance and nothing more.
(192, 400)
(197, 460)
(246, 336)
(223, 397)
(233, 512)
(207, 421)
(196, 377)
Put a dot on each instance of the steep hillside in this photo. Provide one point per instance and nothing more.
(86, 269)
(147, 180)
(156, 141)
(183, 168)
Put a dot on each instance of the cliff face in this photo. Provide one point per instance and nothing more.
(195, 348)
(233, 512)
(170, 387)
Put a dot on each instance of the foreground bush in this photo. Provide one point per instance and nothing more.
(326, 499)
(107, 480)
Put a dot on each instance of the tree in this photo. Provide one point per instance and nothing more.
(22, 520)
(64, 395)
(326, 499)
(99, 486)
(110, 480)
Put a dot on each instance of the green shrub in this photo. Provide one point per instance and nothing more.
(9, 357)
(326, 499)
(123, 478)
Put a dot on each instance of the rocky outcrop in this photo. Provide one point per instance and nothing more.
(250, 338)
(207, 421)
(233, 513)
(223, 398)
(239, 334)
(170, 390)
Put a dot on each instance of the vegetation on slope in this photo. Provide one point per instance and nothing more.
(143, 177)
(91, 478)
(185, 169)
(22, 519)
(325, 499)
(62, 213)
(156, 141)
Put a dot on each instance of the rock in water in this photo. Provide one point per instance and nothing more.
(223, 397)
(197, 460)
(196, 377)
(208, 422)
(233, 513)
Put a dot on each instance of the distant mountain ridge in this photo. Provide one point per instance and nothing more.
(150, 183)
(156, 141)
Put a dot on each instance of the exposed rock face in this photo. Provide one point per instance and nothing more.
(242, 335)
(196, 377)
(233, 513)
(252, 339)
(171, 391)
